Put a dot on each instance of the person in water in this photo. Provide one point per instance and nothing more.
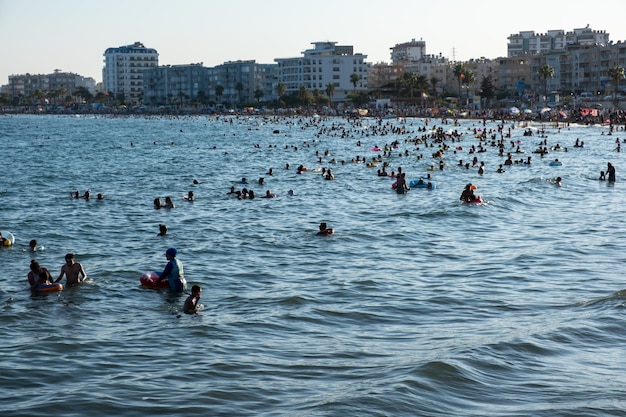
(173, 272)
(324, 230)
(33, 245)
(38, 275)
(158, 203)
(610, 172)
(73, 271)
(467, 195)
(169, 204)
(162, 230)
(401, 185)
(191, 303)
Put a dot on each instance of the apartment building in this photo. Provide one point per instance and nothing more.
(326, 63)
(123, 70)
(59, 85)
(529, 42)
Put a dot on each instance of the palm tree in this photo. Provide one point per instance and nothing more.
(219, 90)
(258, 95)
(330, 91)
(239, 88)
(281, 89)
(468, 79)
(459, 72)
(354, 79)
(433, 83)
(616, 73)
(304, 96)
(545, 72)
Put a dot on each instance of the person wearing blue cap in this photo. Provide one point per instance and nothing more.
(173, 272)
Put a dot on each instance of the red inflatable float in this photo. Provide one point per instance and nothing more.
(149, 279)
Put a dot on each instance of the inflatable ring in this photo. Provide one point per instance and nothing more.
(48, 288)
(7, 238)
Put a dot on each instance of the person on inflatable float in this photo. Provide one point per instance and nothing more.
(173, 272)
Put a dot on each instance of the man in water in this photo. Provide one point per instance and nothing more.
(173, 272)
(73, 271)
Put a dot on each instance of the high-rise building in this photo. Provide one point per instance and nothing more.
(123, 70)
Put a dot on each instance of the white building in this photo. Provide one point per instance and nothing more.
(408, 52)
(327, 63)
(123, 70)
(529, 42)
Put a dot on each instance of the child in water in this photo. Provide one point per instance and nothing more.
(191, 303)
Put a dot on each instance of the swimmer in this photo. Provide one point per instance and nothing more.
(169, 204)
(191, 303)
(190, 196)
(268, 194)
(557, 181)
(324, 230)
(158, 203)
(162, 230)
(33, 245)
(73, 271)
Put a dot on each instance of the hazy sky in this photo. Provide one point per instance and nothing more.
(39, 36)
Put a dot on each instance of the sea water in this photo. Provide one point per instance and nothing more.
(417, 305)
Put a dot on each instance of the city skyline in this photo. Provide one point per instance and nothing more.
(39, 36)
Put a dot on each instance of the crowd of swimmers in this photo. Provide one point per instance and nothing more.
(87, 195)
(436, 138)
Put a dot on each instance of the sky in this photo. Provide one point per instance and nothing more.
(39, 36)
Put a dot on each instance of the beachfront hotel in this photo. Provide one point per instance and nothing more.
(123, 70)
